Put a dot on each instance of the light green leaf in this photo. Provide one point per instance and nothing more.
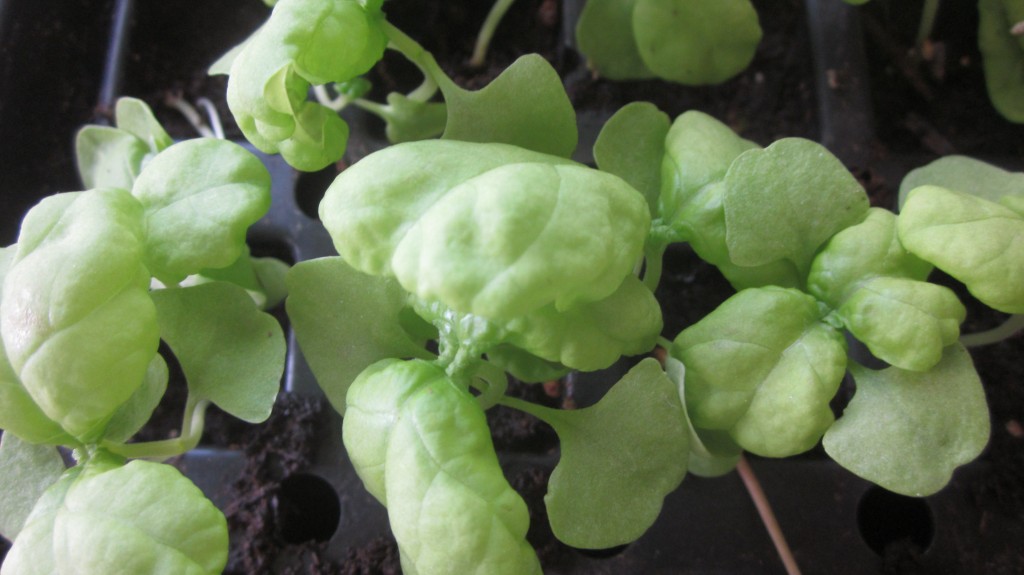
(593, 335)
(763, 367)
(345, 321)
(410, 120)
(319, 138)
(860, 253)
(966, 175)
(696, 42)
(451, 509)
(787, 200)
(525, 106)
(712, 453)
(370, 206)
(134, 413)
(525, 366)
(140, 518)
(232, 353)
(78, 325)
(482, 228)
(200, 196)
(1003, 55)
(976, 241)
(28, 471)
(33, 550)
(604, 34)
(108, 157)
(908, 431)
(620, 458)
(631, 145)
(904, 322)
(135, 117)
(373, 405)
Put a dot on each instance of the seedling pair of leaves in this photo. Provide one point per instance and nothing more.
(84, 307)
(684, 41)
(324, 43)
(459, 242)
(792, 231)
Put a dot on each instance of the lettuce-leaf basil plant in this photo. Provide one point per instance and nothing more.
(464, 260)
(96, 280)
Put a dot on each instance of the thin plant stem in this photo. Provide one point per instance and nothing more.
(192, 425)
(191, 114)
(483, 39)
(995, 335)
(927, 23)
(764, 509)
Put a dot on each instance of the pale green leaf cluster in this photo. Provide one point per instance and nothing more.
(304, 43)
(113, 157)
(689, 42)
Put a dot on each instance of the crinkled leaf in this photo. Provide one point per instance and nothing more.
(784, 202)
(370, 206)
(604, 34)
(907, 431)
(712, 453)
(345, 321)
(231, 352)
(978, 242)
(200, 196)
(450, 506)
(620, 458)
(108, 157)
(594, 335)
(904, 322)
(140, 518)
(696, 42)
(1003, 55)
(764, 367)
(135, 117)
(860, 253)
(373, 404)
(483, 228)
(525, 106)
(28, 471)
(966, 175)
(319, 138)
(134, 413)
(78, 325)
(631, 145)
(33, 550)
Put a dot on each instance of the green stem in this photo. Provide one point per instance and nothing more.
(191, 428)
(928, 13)
(483, 39)
(433, 76)
(995, 335)
(538, 411)
(495, 384)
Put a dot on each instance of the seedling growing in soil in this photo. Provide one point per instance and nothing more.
(97, 279)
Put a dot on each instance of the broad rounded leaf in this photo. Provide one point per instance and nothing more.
(787, 200)
(978, 242)
(904, 322)
(108, 157)
(140, 518)
(78, 325)
(967, 175)
(702, 42)
(33, 549)
(231, 352)
(28, 471)
(712, 453)
(135, 117)
(319, 138)
(907, 431)
(200, 197)
(763, 367)
(631, 145)
(345, 321)
(134, 413)
(620, 458)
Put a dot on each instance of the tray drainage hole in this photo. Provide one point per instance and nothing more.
(888, 520)
(306, 508)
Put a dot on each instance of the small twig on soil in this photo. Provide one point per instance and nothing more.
(764, 509)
